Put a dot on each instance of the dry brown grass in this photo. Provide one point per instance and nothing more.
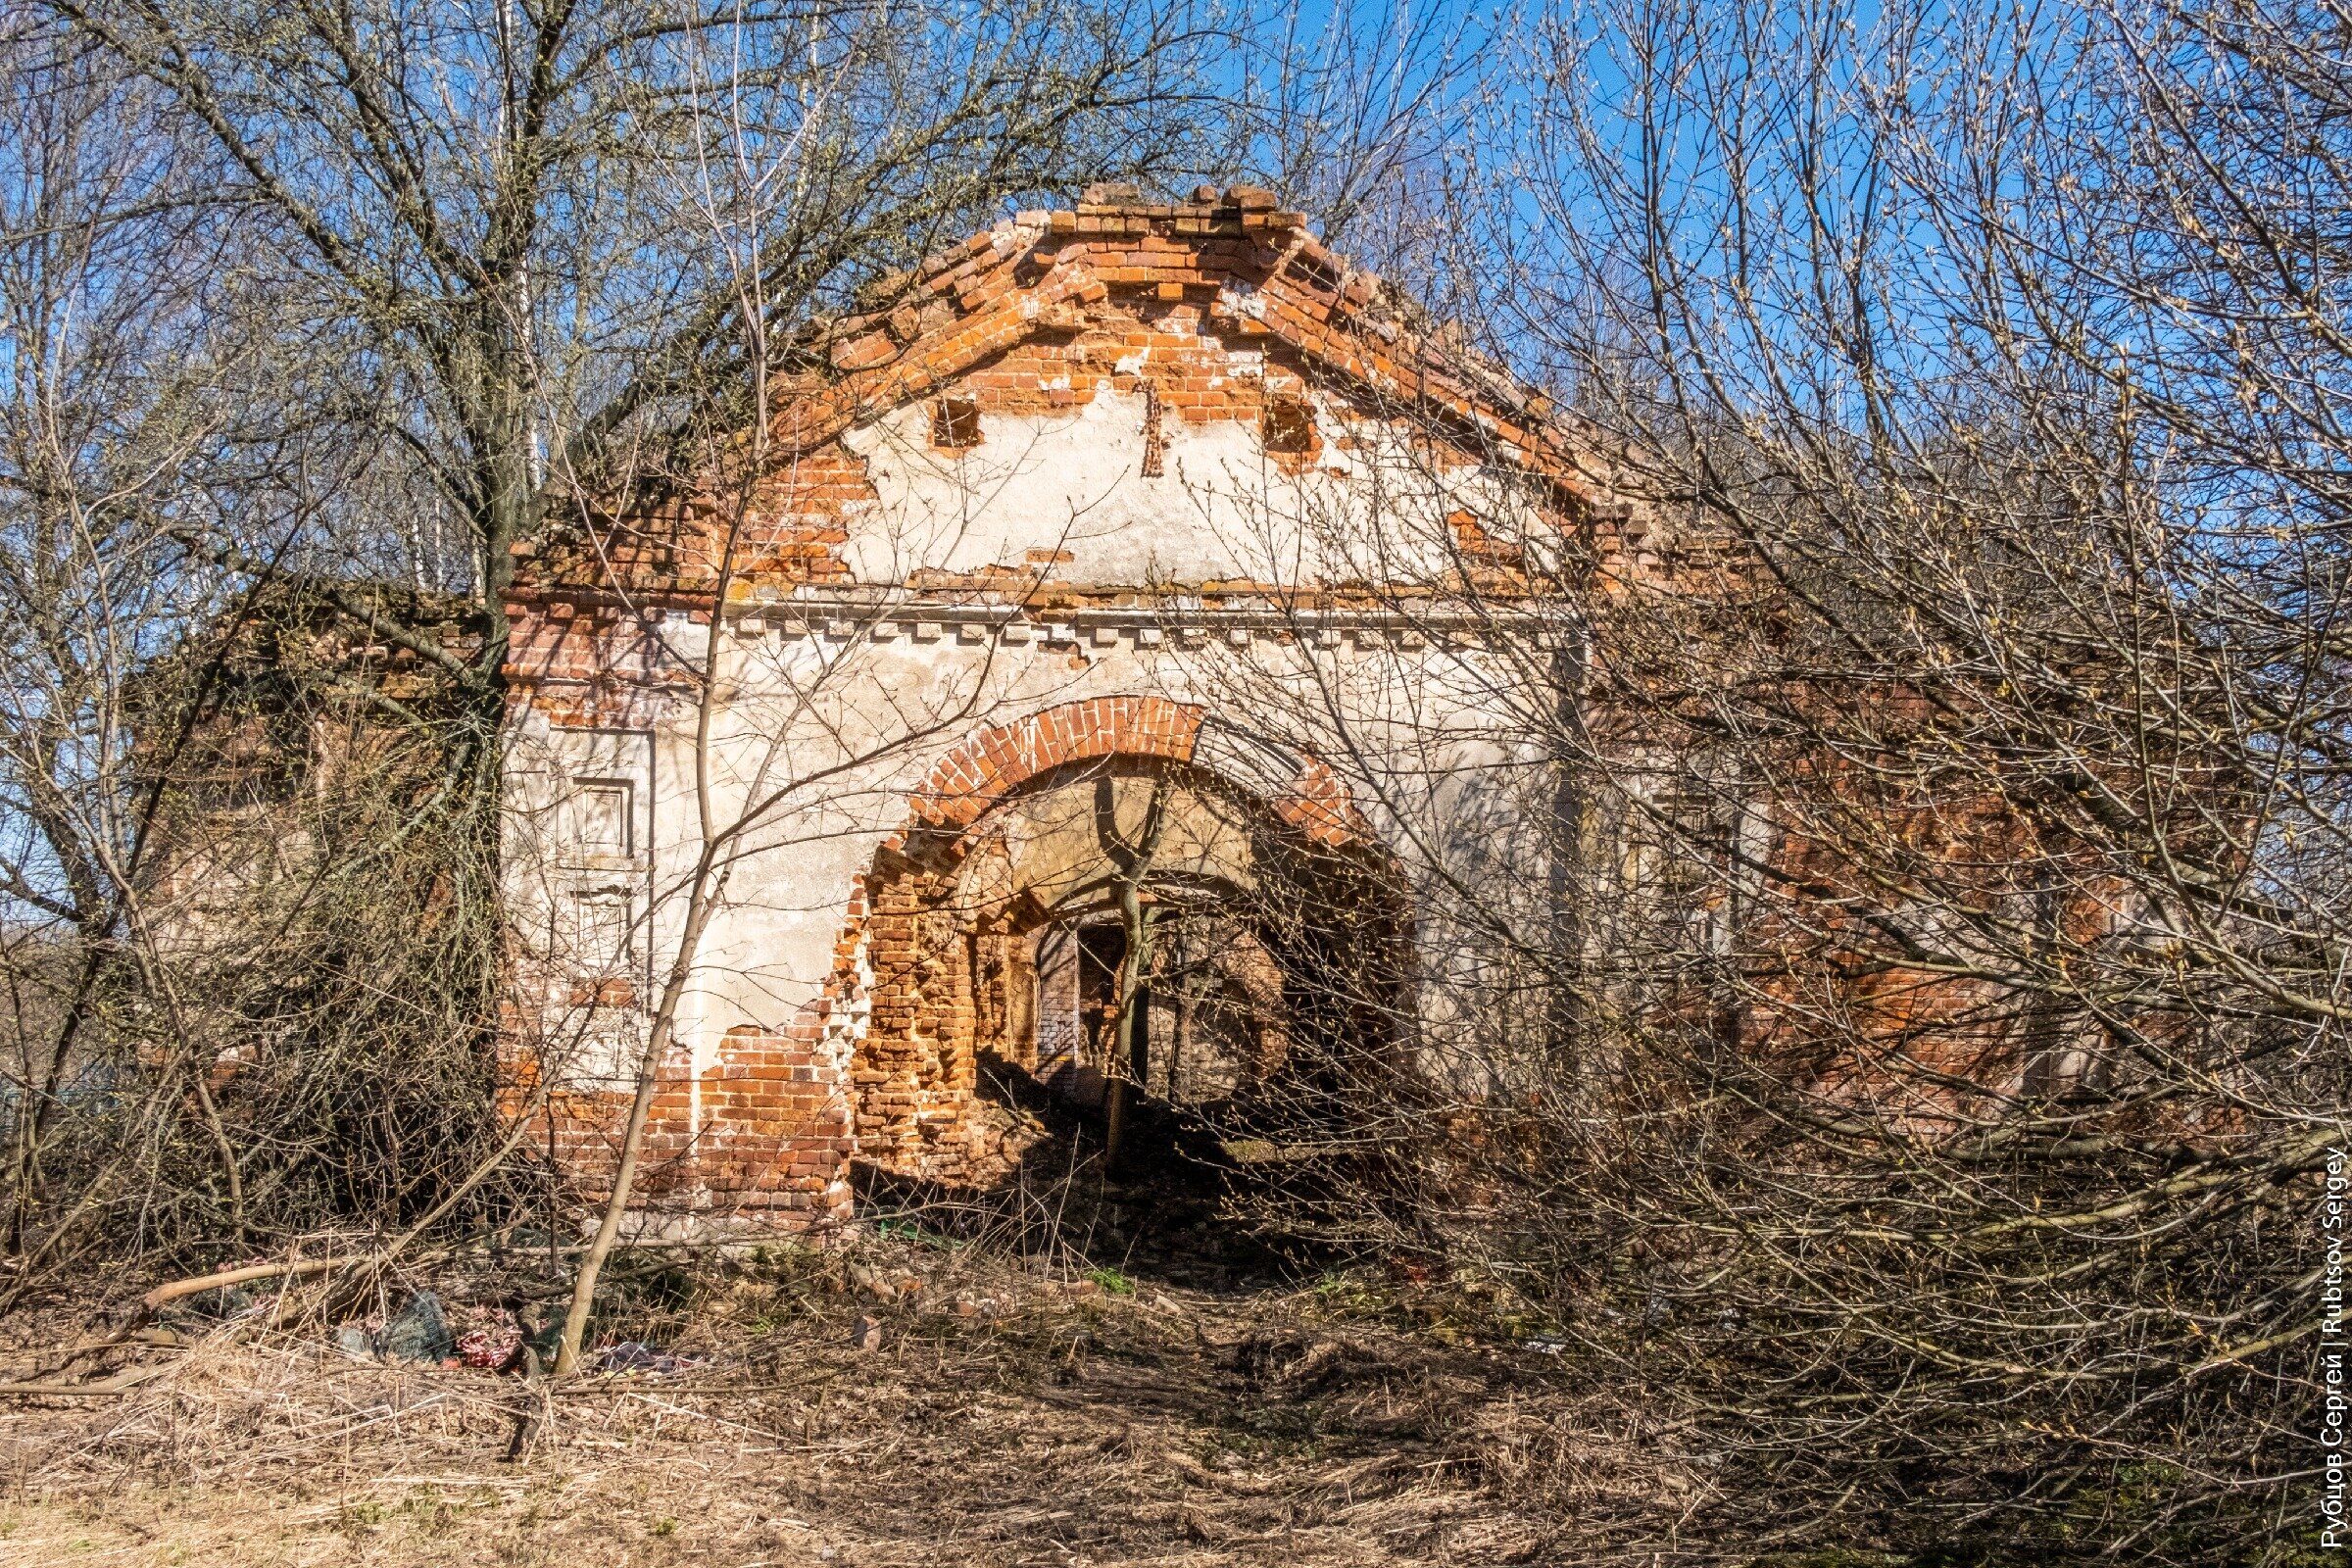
(1076, 1426)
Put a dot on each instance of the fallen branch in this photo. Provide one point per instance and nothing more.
(163, 1294)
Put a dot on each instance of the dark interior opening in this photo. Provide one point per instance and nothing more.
(1288, 425)
(1100, 951)
(955, 422)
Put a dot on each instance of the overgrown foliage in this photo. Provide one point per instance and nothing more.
(1905, 1054)
(1919, 1065)
(300, 304)
(296, 1031)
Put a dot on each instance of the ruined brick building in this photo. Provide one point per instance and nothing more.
(1003, 614)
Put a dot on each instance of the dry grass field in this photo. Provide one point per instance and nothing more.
(1010, 1416)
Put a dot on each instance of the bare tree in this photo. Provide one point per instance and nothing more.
(466, 200)
(123, 426)
(1945, 871)
(301, 302)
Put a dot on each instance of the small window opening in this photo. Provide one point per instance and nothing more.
(1288, 425)
(955, 423)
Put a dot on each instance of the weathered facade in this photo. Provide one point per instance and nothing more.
(997, 609)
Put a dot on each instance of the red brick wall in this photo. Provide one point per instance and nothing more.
(764, 1131)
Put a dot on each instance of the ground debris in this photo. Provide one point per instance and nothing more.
(1013, 1422)
(418, 1332)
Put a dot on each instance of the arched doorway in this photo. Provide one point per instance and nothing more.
(1131, 903)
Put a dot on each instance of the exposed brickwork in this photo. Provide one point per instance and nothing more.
(768, 1126)
(789, 529)
(939, 988)
(1221, 308)
(991, 765)
(764, 1130)
(1156, 439)
(591, 666)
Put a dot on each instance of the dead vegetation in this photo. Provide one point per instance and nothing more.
(1010, 1415)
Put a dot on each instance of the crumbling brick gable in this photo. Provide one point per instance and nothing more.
(1223, 306)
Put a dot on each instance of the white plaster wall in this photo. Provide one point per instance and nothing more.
(824, 742)
(833, 706)
(1222, 510)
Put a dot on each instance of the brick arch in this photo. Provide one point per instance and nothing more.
(991, 764)
(916, 1065)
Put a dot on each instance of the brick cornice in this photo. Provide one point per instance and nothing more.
(1259, 269)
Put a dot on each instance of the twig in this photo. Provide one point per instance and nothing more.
(121, 1382)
